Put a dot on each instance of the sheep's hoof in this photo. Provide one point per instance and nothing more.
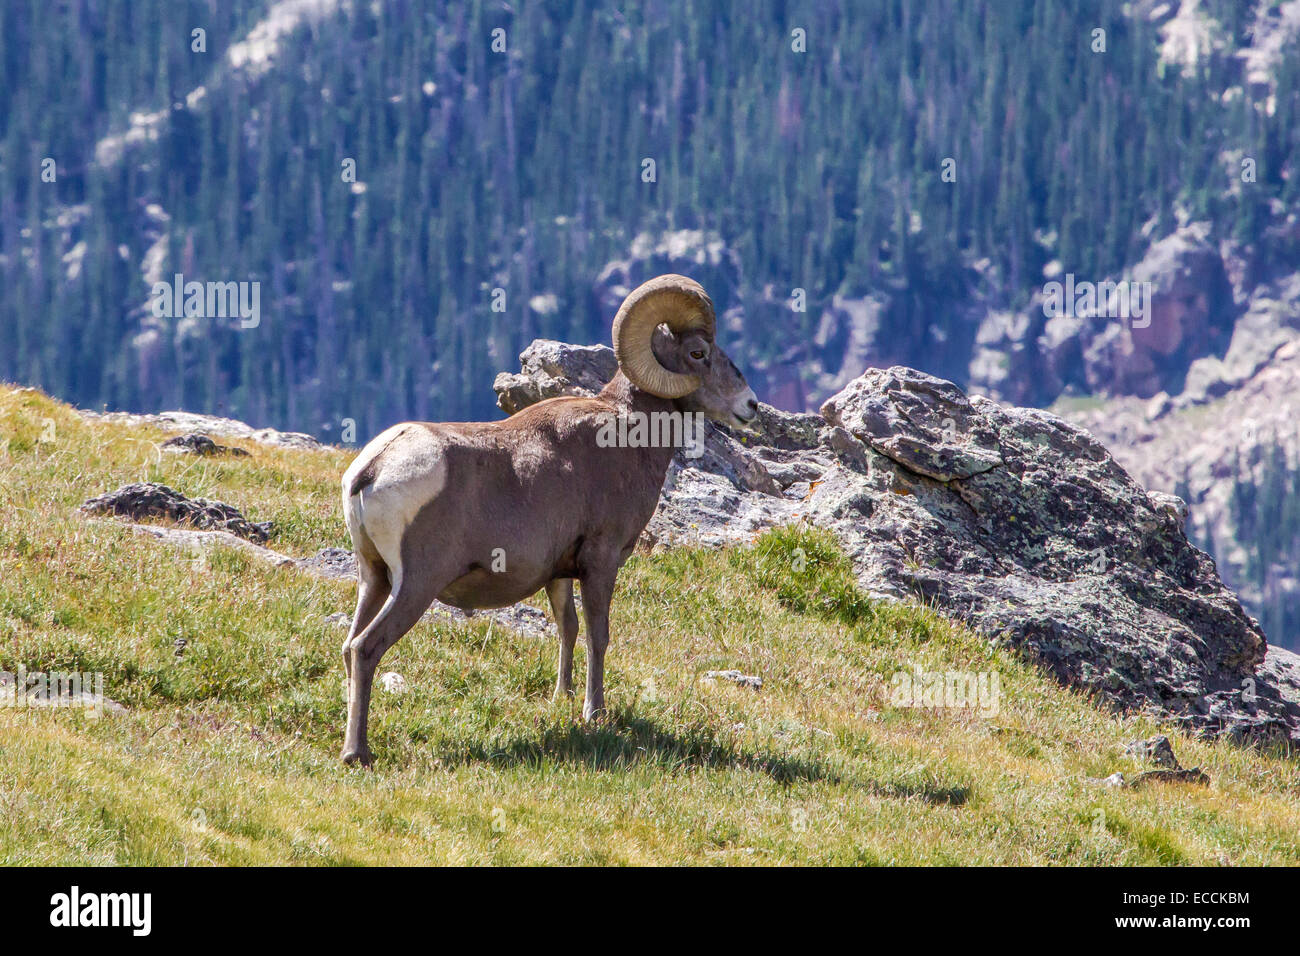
(593, 714)
(361, 755)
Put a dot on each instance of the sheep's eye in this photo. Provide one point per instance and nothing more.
(698, 354)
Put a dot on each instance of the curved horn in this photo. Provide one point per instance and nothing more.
(672, 300)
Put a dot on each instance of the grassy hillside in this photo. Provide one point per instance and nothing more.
(229, 752)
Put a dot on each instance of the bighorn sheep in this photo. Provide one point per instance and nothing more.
(433, 509)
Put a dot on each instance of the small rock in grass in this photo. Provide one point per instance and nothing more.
(148, 499)
(392, 682)
(737, 678)
(336, 563)
(1157, 750)
(50, 692)
(1195, 775)
(196, 444)
(1114, 780)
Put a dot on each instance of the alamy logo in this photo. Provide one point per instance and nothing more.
(55, 689)
(1126, 299)
(653, 430)
(208, 300)
(74, 908)
(942, 689)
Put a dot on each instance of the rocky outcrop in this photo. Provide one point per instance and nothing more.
(1010, 519)
(551, 369)
(193, 443)
(1199, 403)
(1191, 315)
(147, 499)
(207, 425)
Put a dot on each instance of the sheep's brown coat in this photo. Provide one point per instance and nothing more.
(484, 514)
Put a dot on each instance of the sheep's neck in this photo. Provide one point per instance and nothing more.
(630, 399)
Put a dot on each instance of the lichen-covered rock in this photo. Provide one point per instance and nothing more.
(1160, 752)
(552, 368)
(925, 424)
(1214, 443)
(147, 499)
(1157, 750)
(337, 563)
(193, 443)
(1009, 519)
(189, 422)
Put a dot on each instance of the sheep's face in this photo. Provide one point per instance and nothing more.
(723, 395)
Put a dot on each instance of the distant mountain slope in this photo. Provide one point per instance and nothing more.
(1235, 457)
(899, 171)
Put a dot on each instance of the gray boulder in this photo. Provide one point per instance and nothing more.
(207, 425)
(147, 499)
(195, 444)
(553, 368)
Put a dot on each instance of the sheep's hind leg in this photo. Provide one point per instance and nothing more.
(560, 592)
(410, 599)
(372, 592)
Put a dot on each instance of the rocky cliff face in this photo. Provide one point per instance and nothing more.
(1223, 453)
(1010, 519)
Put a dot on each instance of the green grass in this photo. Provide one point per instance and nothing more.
(229, 752)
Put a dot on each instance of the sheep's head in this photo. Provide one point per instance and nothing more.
(664, 341)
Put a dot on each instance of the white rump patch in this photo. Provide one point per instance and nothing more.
(412, 470)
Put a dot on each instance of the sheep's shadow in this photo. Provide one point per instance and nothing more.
(621, 741)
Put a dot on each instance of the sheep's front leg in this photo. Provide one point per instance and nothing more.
(597, 591)
(560, 592)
